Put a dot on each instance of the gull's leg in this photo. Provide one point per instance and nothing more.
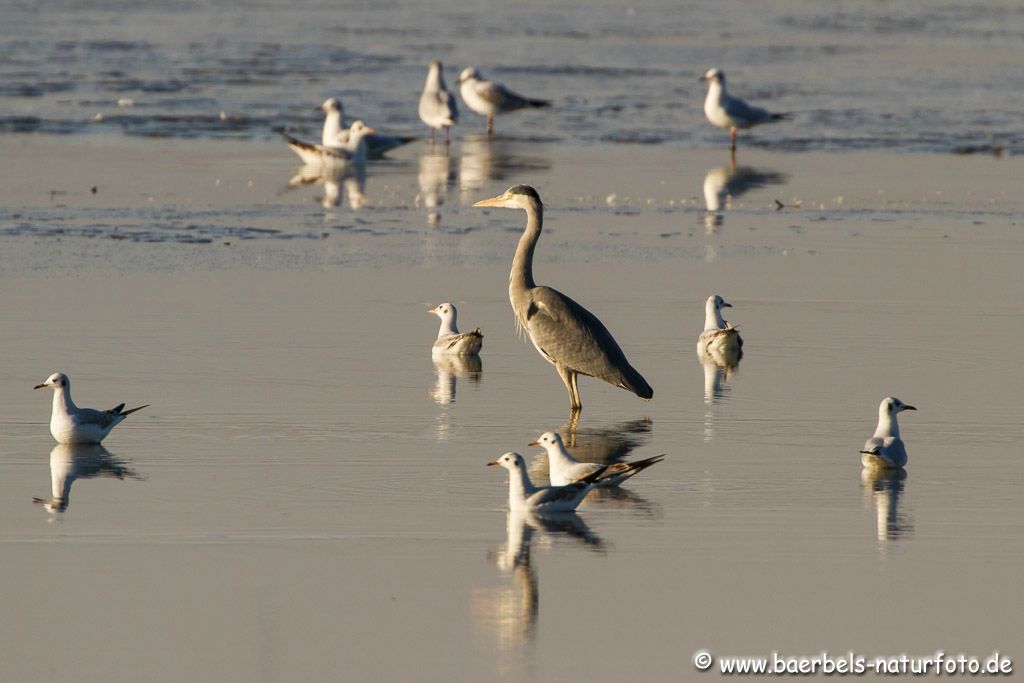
(490, 125)
(733, 148)
(447, 135)
(432, 131)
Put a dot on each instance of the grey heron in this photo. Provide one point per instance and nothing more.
(885, 450)
(732, 113)
(567, 335)
(437, 105)
(488, 98)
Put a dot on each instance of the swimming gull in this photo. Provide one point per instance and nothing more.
(564, 469)
(449, 340)
(71, 424)
(718, 336)
(351, 153)
(523, 495)
(885, 450)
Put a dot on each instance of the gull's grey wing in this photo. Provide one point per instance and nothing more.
(571, 336)
(378, 143)
(456, 338)
(300, 146)
(746, 113)
(439, 103)
(88, 416)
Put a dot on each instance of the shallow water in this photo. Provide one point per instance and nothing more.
(920, 76)
(307, 493)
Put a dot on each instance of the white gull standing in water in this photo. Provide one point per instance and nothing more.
(437, 105)
(732, 113)
(341, 155)
(885, 450)
(488, 98)
(71, 424)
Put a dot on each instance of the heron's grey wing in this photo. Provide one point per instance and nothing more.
(739, 110)
(573, 337)
(88, 416)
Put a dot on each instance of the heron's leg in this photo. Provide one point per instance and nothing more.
(575, 391)
(490, 125)
(569, 380)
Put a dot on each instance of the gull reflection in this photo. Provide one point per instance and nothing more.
(435, 177)
(604, 445)
(725, 183)
(449, 369)
(334, 179)
(511, 611)
(883, 488)
(482, 161)
(69, 462)
(719, 363)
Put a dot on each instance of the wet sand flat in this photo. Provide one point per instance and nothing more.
(308, 493)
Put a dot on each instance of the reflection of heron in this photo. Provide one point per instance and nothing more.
(434, 177)
(353, 179)
(732, 113)
(449, 368)
(718, 335)
(488, 98)
(885, 450)
(724, 183)
(883, 488)
(437, 105)
(567, 335)
(69, 462)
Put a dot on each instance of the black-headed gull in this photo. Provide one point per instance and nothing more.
(71, 424)
(449, 340)
(732, 113)
(718, 335)
(564, 469)
(885, 450)
(523, 495)
(488, 98)
(437, 105)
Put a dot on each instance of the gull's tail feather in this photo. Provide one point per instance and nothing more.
(538, 103)
(594, 476)
(129, 412)
(784, 116)
(875, 451)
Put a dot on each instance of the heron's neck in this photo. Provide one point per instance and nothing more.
(332, 129)
(521, 277)
(887, 424)
(447, 326)
(713, 319)
(62, 400)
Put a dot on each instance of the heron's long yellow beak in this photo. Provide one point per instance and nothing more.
(493, 201)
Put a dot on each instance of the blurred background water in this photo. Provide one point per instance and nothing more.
(912, 76)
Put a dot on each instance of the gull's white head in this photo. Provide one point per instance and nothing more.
(444, 311)
(714, 75)
(510, 461)
(360, 129)
(515, 197)
(331, 104)
(892, 405)
(548, 440)
(469, 73)
(57, 380)
(718, 302)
